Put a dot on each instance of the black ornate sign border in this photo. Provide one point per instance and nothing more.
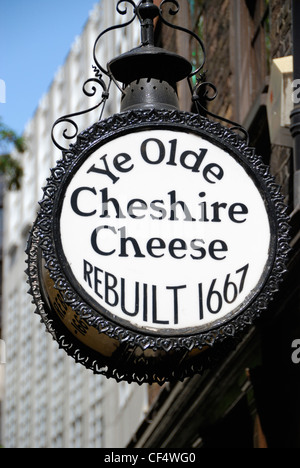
(42, 241)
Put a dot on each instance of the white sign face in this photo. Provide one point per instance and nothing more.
(165, 231)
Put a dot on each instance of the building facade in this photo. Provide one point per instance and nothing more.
(50, 401)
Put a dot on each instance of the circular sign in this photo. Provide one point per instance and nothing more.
(161, 237)
(165, 231)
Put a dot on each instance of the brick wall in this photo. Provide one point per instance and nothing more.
(281, 32)
(217, 43)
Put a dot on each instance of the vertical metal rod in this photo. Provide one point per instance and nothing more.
(295, 115)
(147, 11)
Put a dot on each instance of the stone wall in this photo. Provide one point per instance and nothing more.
(281, 28)
(216, 37)
(281, 45)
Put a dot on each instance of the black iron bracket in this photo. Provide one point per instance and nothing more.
(144, 56)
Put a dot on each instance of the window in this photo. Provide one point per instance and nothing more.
(96, 426)
(76, 433)
(125, 390)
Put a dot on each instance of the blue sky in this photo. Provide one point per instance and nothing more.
(35, 38)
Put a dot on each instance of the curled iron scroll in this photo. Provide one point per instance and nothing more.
(71, 134)
(112, 28)
(174, 12)
(68, 119)
(200, 93)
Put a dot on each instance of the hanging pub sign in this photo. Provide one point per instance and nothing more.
(161, 236)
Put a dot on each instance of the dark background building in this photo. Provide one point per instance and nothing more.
(251, 400)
